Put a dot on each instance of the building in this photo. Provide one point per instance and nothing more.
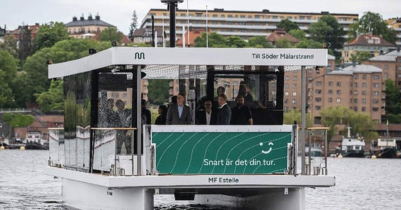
(390, 63)
(3, 31)
(193, 34)
(245, 24)
(373, 44)
(144, 36)
(395, 23)
(394, 131)
(86, 28)
(281, 34)
(41, 126)
(17, 32)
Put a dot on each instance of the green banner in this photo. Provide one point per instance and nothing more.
(221, 152)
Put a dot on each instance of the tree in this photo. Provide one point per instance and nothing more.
(283, 43)
(53, 99)
(50, 34)
(215, 40)
(6, 95)
(8, 66)
(373, 22)
(361, 123)
(309, 43)
(259, 42)
(133, 26)
(18, 120)
(295, 116)
(328, 30)
(287, 25)
(25, 43)
(111, 34)
(298, 33)
(393, 102)
(10, 45)
(19, 87)
(236, 42)
(158, 91)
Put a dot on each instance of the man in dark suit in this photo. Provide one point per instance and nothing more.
(207, 116)
(179, 114)
(224, 114)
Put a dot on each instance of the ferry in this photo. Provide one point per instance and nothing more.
(352, 147)
(121, 163)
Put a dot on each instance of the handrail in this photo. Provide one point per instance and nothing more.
(55, 128)
(124, 129)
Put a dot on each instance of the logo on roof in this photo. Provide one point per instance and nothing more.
(139, 55)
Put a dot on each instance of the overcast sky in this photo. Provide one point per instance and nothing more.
(119, 12)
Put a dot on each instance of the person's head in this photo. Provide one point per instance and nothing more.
(240, 100)
(222, 99)
(180, 99)
(120, 105)
(243, 89)
(174, 100)
(143, 103)
(208, 105)
(221, 90)
(110, 103)
(162, 109)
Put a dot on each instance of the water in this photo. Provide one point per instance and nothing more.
(360, 184)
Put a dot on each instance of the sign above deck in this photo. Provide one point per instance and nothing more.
(191, 56)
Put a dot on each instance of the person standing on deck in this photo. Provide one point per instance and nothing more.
(146, 115)
(224, 113)
(207, 116)
(241, 114)
(179, 114)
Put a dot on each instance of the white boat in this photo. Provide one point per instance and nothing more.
(234, 166)
(352, 147)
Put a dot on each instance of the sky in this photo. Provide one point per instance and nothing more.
(119, 12)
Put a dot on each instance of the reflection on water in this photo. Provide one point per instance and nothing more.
(360, 184)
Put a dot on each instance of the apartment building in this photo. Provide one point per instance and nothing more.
(245, 24)
(390, 63)
(395, 23)
(86, 28)
(373, 44)
(17, 32)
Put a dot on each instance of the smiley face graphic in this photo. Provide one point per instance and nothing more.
(270, 149)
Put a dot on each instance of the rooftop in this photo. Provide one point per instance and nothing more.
(281, 33)
(357, 69)
(88, 22)
(391, 56)
(370, 40)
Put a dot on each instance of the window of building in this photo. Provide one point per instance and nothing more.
(355, 84)
(376, 85)
(385, 75)
(286, 93)
(222, 16)
(318, 120)
(318, 91)
(364, 93)
(287, 86)
(318, 107)
(257, 16)
(250, 16)
(355, 100)
(338, 92)
(318, 99)
(242, 16)
(330, 100)
(164, 14)
(338, 84)
(338, 100)
(286, 101)
(330, 92)
(301, 17)
(295, 78)
(294, 86)
(355, 108)
(294, 101)
(363, 101)
(318, 83)
(294, 93)
(364, 76)
(198, 14)
(385, 67)
(289, 17)
(275, 17)
(356, 76)
(330, 83)
(376, 77)
(287, 78)
(363, 109)
(375, 101)
(364, 85)
(215, 15)
(399, 68)
(375, 109)
(182, 15)
(355, 92)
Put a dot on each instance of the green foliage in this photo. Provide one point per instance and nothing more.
(9, 45)
(360, 56)
(18, 120)
(393, 102)
(298, 33)
(25, 43)
(259, 42)
(50, 34)
(373, 22)
(353, 30)
(158, 91)
(6, 95)
(361, 123)
(328, 30)
(287, 25)
(133, 26)
(295, 116)
(215, 40)
(19, 87)
(8, 66)
(283, 43)
(111, 34)
(236, 42)
(309, 43)
(53, 98)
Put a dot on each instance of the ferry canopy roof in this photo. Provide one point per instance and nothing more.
(191, 56)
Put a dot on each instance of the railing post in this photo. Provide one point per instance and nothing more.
(295, 149)
(303, 118)
(138, 118)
